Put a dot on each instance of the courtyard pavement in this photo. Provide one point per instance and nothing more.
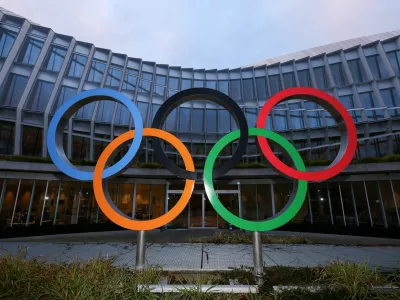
(199, 257)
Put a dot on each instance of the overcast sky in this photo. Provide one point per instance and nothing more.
(210, 33)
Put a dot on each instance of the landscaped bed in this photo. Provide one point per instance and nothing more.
(243, 238)
(98, 279)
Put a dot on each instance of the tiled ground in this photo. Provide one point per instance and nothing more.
(207, 256)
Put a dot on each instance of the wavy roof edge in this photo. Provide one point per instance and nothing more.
(315, 51)
(328, 48)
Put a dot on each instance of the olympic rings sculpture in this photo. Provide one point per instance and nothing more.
(101, 174)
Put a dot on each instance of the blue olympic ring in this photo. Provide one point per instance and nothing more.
(65, 112)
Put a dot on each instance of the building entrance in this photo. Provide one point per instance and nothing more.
(200, 213)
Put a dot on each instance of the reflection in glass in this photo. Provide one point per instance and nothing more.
(391, 99)
(224, 121)
(248, 93)
(223, 86)
(13, 89)
(80, 147)
(38, 199)
(21, 207)
(184, 119)
(30, 51)
(76, 65)
(210, 215)
(55, 58)
(336, 203)
(376, 66)
(7, 39)
(231, 203)
(389, 204)
(129, 83)
(64, 94)
(321, 77)
(357, 71)
(211, 120)
(31, 141)
(320, 205)
(249, 201)
(375, 203)
(394, 59)
(394, 208)
(198, 120)
(67, 204)
(261, 86)
(6, 138)
(180, 221)
(288, 79)
(304, 78)
(235, 90)
(275, 84)
(186, 84)
(114, 77)
(264, 201)
(105, 111)
(338, 74)
(96, 71)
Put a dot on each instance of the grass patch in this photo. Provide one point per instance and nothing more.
(98, 279)
(242, 238)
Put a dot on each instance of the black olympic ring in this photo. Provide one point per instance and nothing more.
(201, 94)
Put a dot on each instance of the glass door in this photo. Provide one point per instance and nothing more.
(231, 200)
(196, 218)
(210, 215)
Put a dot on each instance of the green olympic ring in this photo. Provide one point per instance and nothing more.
(291, 208)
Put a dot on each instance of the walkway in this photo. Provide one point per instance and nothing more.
(202, 257)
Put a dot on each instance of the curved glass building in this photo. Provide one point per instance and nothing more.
(40, 69)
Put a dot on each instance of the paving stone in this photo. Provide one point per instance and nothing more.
(174, 256)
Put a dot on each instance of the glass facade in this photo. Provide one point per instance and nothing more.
(41, 76)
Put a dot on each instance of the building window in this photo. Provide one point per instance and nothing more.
(281, 120)
(184, 119)
(288, 79)
(394, 58)
(31, 141)
(251, 116)
(85, 112)
(368, 101)
(161, 80)
(198, 120)
(114, 77)
(224, 121)
(96, 71)
(376, 65)
(186, 84)
(80, 147)
(223, 86)
(348, 102)
(248, 92)
(314, 116)
(321, 77)
(122, 115)
(30, 51)
(338, 74)
(145, 83)
(6, 138)
(173, 83)
(129, 83)
(304, 78)
(65, 93)
(235, 90)
(211, 120)
(198, 84)
(40, 95)
(13, 89)
(55, 59)
(261, 87)
(142, 106)
(391, 99)
(296, 115)
(170, 122)
(105, 111)
(77, 65)
(7, 39)
(357, 71)
(275, 84)
(211, 84)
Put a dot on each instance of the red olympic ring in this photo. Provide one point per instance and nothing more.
(337, 166)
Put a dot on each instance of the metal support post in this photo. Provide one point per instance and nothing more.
(257, 258)
(140, 250)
